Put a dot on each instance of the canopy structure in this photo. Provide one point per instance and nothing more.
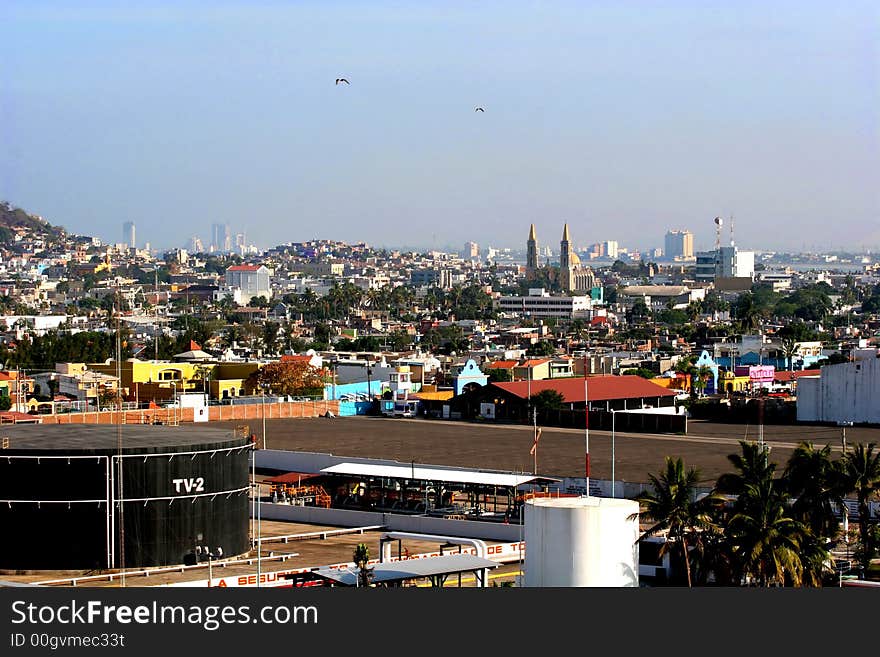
(419, 472)
(437, 569)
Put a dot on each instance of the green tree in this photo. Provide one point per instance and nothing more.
(361, 558)
(541, 348)
(499, 375)
(789, 349)
(639, 371)
(547, 400)
(752, 465)
(672, 506)
(862, 476)
(701, 380)
(815, 482)
(766, 540)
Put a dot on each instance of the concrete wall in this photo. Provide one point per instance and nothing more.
(215, 413)
(847, 392)
(808, 399)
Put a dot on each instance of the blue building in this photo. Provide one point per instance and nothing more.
(469, 375)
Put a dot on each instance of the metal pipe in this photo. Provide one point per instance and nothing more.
(479, 545)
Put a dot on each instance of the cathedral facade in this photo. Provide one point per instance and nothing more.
(573, 276)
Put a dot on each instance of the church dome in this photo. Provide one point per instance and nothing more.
(574, 259)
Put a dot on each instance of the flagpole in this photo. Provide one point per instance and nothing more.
(535, 451)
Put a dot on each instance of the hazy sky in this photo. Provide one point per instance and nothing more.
(624, 119)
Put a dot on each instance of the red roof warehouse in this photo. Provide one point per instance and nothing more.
(599, 389)
(509, 401)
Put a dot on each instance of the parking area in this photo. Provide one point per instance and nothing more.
(560, 452)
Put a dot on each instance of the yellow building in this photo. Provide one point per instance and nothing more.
(150, 380)
(730, 383)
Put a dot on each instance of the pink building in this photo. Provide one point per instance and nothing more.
(760, 376)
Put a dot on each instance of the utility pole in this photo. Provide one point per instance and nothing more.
(120, 489)
(586, 428)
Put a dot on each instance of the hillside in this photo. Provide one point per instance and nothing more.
(12, 218)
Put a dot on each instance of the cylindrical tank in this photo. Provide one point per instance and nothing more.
(581, 541)
(60, 503)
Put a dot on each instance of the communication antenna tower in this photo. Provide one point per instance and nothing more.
(719, 222)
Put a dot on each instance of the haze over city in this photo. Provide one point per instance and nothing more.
(623, 120)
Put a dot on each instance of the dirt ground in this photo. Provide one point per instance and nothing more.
(560, 451)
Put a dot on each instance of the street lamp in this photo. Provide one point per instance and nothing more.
(210, 556)
(843, 426)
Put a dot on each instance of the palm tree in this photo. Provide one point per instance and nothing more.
(815, 483)
(701, 380)
(765, 539)
(686, 366)
(789, 349)
(862, 476)
(753, 467)
(361, 558)
(672, 506)
(749, 313)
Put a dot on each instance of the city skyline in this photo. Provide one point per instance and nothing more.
(623, 122)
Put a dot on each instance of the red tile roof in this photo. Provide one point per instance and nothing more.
(785, 377)
(501, 364)
(599, 388)
(534, 362)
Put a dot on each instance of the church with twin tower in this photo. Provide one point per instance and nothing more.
(573, 277)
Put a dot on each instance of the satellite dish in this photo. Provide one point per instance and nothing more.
(719, 221)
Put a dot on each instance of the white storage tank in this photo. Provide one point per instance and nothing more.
(581, 541)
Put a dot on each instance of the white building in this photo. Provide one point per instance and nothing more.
(252, 280)
(540, 304)
(657, 297)
(733, 263)
(846, 392)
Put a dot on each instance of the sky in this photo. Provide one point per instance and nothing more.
(623, 119)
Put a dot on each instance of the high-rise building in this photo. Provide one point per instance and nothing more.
(128, 234)
(532, 253)
(471, 251)
(733, 263)
(221, 238)
(610, 247)
(195, 244)
(679, 244)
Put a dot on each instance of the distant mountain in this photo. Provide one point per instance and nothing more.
(12, 218)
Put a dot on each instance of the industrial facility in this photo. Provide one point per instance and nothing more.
(104, 497)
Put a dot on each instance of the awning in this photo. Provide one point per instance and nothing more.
(407, 569)
(404, 471)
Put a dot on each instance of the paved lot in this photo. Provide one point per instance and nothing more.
(560, 451)
(309, 553)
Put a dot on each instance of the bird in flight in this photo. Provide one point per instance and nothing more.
(480, 109)
(338, 80)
